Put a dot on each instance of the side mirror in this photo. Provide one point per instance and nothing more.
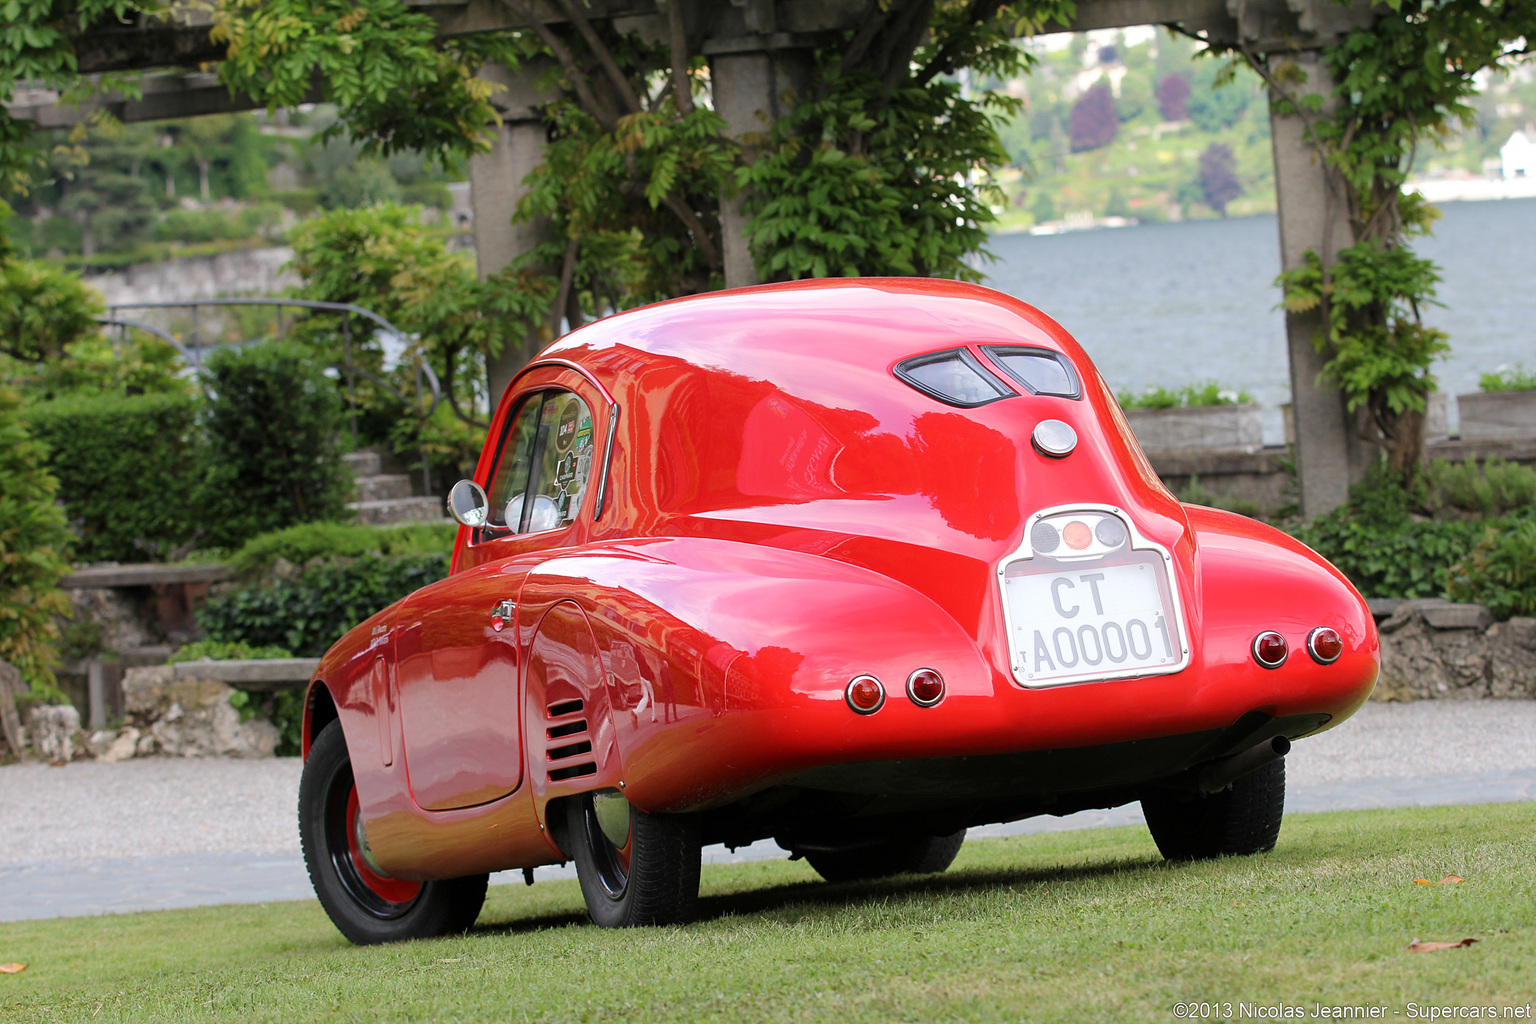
(468, 504)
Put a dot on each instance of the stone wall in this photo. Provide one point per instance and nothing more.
(241, 272)
(1439, 650)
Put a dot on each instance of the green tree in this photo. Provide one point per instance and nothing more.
(1406, 80)
(42, 308)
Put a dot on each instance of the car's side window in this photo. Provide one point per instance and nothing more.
(545, 463)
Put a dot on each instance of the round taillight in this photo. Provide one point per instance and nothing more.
(1270, 649)
(925, 687)
(1325, 645)
(1077, 535)
(1110, 531)
(865, 694)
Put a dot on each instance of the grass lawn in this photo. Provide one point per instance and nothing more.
(1069, 927)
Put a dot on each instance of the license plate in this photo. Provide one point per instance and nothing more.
(1091, 620)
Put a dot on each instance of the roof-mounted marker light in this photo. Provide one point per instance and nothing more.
(1270, 649)
(865, 694)
(1325, 645)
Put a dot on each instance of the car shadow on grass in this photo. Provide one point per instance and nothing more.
(812, 894)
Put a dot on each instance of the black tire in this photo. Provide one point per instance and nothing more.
(917, 855)
(1242, 819)
(367, 908)
(652, 880)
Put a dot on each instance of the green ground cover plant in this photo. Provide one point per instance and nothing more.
(1464, 530)
(1074, 926)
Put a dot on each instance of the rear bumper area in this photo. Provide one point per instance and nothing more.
(847, 803)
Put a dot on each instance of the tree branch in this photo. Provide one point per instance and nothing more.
(589, 99)
(943, 61)
(695, 226)
(604, 56)
(677, 42)
(562, 296)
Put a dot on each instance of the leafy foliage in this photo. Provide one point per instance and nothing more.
(272, 421)
(1500, 571)
(1378, 350)
(42, 309)
(300, 545)
(1490, 488)
(1383, 541)
(127, 469)
(1406, 79)
(33, 544)
(223, 650)
(1385, 553)
(1189, 396)
(383, 259)
(851, 185)
(1508, 378)
(309, 612)
(397, 88)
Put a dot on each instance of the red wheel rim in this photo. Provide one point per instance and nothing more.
(391, 890)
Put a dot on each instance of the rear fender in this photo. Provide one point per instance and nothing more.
(1256, 578)
(744, 651)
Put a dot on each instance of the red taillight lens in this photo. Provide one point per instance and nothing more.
(865, 694)
(925, 687)
(1077, 535)
(1270, 649)
(1325, 645)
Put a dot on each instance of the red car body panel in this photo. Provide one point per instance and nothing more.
(780, 514)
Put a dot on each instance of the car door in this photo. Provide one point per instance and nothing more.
(457, 645)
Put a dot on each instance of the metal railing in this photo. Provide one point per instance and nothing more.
(428, 389)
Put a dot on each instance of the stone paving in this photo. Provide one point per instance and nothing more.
(158, 833)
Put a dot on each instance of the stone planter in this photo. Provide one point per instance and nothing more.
(1497, 414)
(1226, 427)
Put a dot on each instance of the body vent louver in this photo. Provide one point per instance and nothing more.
(569, 753)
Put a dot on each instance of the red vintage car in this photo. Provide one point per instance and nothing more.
(854, 565)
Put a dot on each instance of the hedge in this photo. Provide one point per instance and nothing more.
(128, 472)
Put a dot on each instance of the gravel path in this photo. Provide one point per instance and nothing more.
(161, 806)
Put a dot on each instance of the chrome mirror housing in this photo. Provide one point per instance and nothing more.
(468, 504)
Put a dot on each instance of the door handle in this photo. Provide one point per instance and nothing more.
(501, 615)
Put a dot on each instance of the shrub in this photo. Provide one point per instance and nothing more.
(310, 612)
(33, 539)
(1189, 396)
(300, 545)
(1404, 559)
(127, 469)
(222, 650)
(1500, 571)
(1507, 378)
(272, 421)
(1493, 487)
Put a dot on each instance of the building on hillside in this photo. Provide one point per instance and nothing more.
(1517, 157)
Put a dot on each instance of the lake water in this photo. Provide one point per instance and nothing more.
(1177, 304)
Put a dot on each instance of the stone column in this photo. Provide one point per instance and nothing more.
(1329, 452)
(754, 79)
(496, 185)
